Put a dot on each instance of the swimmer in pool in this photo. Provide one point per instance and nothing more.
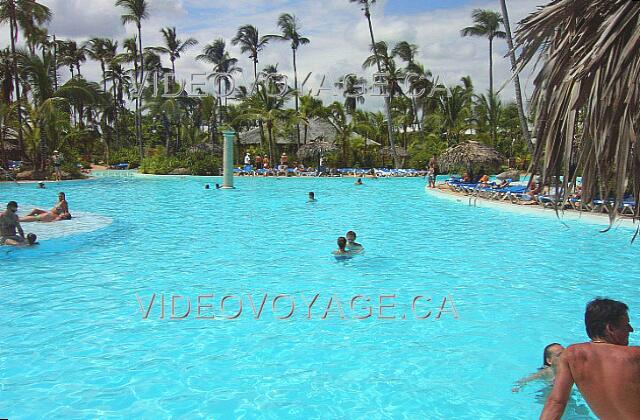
(342, 251)
(312, 197)
(352, 246)
(359, 182)
(547, 371)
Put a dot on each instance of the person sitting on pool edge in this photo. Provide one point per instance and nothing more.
(60, 211)
(352, 246)
(312, 197)
(550, 357)
(342, 251)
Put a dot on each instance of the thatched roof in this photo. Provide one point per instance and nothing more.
(316, 129)
(469, 154)
(590, 70)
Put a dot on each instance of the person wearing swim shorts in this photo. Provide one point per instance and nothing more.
(57, 163)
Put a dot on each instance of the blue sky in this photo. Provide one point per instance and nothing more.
(416, 6)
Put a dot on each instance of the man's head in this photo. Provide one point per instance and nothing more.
(31, 238)
(342, 242)
(551, 354)
(608, 320)
(351, 236)
(13, 206)
(312, 195)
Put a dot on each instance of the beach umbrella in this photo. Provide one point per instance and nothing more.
(470, 155)
(318, 147)
(510, 174)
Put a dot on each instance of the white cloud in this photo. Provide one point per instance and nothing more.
(338, 31)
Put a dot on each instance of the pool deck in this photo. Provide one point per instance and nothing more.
(601, 219)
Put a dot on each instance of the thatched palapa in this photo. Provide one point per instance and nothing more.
(470, 155)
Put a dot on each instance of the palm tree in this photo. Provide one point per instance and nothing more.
(352, 88)
(250, 41)
(136, 12)
(102, 50)
(174, 46)
(586, 96)
(216, 54)
(289, 26)
(524, 125)
(387, 102)
(487, 25)
(73, 56)
(18, 13)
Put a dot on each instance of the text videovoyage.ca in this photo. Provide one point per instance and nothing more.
(223, 85)
(309, 306)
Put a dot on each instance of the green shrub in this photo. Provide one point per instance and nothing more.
(197, 164)
(128, 155)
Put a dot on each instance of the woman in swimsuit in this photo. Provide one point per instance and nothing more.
(60, 211)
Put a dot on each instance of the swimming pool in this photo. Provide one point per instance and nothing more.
(75, 342)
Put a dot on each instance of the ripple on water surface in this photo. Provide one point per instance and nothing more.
(75, 343)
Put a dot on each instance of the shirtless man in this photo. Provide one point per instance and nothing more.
(9, 223)
(606, 370)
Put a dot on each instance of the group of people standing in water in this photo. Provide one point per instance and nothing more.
(11, 232)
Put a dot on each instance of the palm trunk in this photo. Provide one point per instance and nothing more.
(115, 113)
(12, 29)
(104, 77)
(55, 64)
(524, 126)
(139, 99)
(255, 71)
(387, 103)
(173, 68)
(493, 126)
(269, 131)
(295, 85)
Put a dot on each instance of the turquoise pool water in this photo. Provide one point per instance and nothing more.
(75, 344)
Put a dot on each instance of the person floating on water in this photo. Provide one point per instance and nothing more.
(218, 186)
(41, 185)
(352, 246)
(206, 186)
(11, 232)
(60, 211)
(359, 182)
(312, 197)
(550, 357)
(605, 370)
